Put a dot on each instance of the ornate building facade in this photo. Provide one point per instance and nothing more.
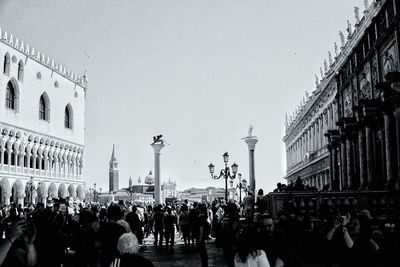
(41, 125)
(346, 134)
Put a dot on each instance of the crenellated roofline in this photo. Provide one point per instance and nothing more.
(36, 55)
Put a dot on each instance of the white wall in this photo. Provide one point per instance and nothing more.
(30, 90)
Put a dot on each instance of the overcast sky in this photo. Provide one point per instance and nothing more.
(197, 71)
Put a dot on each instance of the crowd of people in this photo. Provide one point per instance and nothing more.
(113, 234)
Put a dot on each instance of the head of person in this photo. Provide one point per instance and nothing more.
(114, 212)
(128, 244)
(202, 208)
(260, 192)
(184, 207)
(246, 244)
(267, 224)
(124, 224)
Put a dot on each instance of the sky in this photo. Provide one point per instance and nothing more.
(199, 72)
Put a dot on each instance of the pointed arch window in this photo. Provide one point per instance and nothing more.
(68, 117)
(20, 71)
(10, 96)
(6, 66)
(44, 107)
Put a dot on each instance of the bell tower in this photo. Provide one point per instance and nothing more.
(113, 172)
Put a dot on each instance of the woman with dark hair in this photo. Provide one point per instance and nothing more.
(247, 254)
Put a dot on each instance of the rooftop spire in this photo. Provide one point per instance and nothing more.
(113, 153)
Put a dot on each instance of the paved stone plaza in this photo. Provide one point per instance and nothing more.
(181, 255)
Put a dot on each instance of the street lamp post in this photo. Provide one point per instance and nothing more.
(94, 192)
(242, 185)
(225, 173)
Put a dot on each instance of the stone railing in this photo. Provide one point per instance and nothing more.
(318, 205)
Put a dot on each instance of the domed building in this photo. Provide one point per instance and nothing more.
(149, 179)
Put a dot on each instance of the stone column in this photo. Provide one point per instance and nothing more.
(349, 161)
(251, 142)
(370, 156)
(343, 164)
(335, 172)
(397, 116)
(388, 147)
(157, 186)
(362, 157)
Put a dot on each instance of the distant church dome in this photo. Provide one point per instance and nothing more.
(149, 178)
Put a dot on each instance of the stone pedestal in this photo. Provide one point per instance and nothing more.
(157, 186)
(251, 142)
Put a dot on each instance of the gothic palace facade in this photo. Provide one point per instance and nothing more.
(346, 134)
(42, 107)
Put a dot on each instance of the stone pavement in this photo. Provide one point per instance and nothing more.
(181, 256)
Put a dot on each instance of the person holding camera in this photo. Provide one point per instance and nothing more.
(361, 248)
(18, 248)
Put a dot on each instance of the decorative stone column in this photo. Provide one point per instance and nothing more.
(370, 156)
(343, 163)
(388, 147)
(349, 161)
(157, 186)
(362, 157)
(251, 142)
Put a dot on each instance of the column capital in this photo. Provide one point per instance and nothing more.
(157, 147)
(251, 142)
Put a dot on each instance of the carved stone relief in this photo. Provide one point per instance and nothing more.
(365, 82)
(347, 103)
(389, 62)
(374, 76)
(355, 95)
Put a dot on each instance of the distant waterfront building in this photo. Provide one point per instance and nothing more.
(42, 124)
(346, 134)
(202, 194)
(113, 172)
(168, 190)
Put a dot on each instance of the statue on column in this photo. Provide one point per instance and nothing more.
(251, 130)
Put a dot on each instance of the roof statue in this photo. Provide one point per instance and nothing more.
(286, 120)
(307, 95)
(330, 58)
(357, 14)
(325, 66)
(342, 41)
(366, 5)
(316, 80)
(336, 50)
(349, 29)
(322, 73)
